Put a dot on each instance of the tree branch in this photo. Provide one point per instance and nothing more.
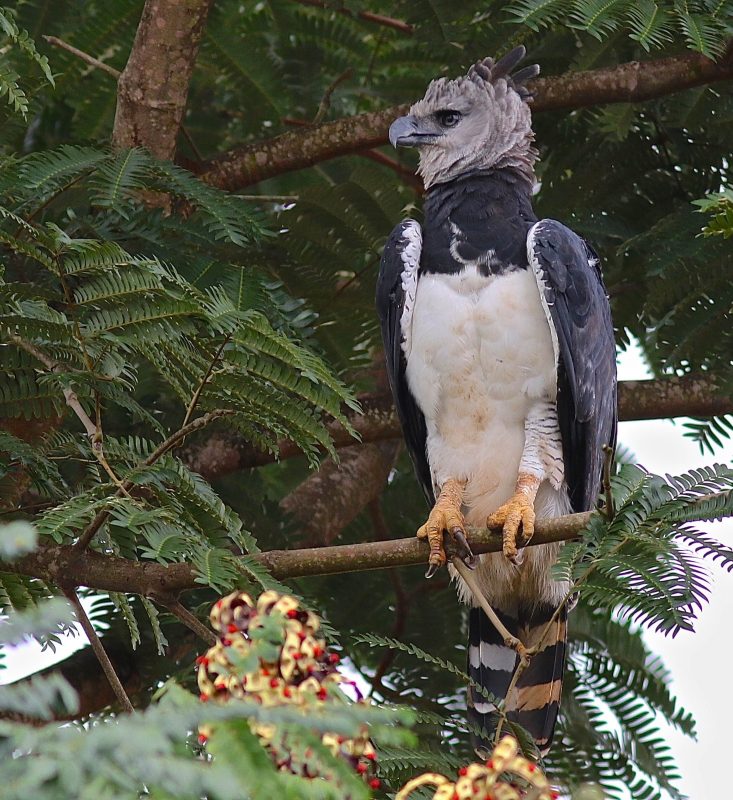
(111, 573)
(635, 81)
(99, 650)
(225, 452)
(367, 16)
(172, 441)
(72, 400)
(63, 565)
(330, 498)
(91, 60)
(191, 621)
(153, 87)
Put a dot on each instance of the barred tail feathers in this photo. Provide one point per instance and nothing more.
(535, 701)
(491, 665)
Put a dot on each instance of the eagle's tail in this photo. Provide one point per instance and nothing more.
(535, 701)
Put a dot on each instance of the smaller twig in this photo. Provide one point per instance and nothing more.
(296, 122)
(69, 394)
(529, 652)
(270, 198)
(407, 175)
(91, 530)
(94, 62)
(188, 619)
(72, 401)
(355, 277)
(99, 650)
(523, 664)
(470, 581)
(325, 103)
(101, 517)
(367, 16)
(115, 73)
(607, 488)
(192, 144)
(177, 437)
(204, 381)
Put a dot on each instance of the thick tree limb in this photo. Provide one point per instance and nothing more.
(691, 396)
(224, 452)
(635, 81)
(329, 499)
(110, 573)
(153, 87)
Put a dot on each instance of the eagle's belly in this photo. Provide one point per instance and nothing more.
(481, 354)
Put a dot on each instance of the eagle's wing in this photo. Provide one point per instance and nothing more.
(396, 288)
(574, 299)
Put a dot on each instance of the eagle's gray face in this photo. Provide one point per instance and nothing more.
(477, 121)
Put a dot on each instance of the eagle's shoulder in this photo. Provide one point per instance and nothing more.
(401, 254)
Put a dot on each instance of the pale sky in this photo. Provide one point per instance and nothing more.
(700, 662)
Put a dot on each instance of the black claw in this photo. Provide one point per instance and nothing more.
(432, 569)
(464, 549)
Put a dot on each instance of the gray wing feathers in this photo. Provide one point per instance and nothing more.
(575, 301)
(396, 287)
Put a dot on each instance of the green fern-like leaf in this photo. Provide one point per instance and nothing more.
(598, 17)
(537, 13)
(393, 644)
(703, 33)
(650, 23)
(9, 78)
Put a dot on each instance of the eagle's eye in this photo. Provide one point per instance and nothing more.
(448, 118)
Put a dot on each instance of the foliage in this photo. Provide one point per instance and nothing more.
(136, 300)
(95, 318)
(154, 752)
(20, 44)
(704, 25)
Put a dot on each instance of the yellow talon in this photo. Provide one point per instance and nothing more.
(516, 515)
(446, 515)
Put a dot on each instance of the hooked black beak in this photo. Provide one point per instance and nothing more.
(406, 132)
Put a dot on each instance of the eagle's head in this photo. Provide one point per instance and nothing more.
(477, 121)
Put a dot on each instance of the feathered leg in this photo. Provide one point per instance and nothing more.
(542, 460)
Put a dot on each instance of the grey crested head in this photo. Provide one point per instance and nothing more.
(478, 121)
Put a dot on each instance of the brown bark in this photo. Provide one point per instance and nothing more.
(153, 87)
(635, 81)
(223, 453)
(329, 499)
(111, 573)
(672, 397)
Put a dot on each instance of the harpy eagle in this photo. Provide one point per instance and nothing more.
(500, 354)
